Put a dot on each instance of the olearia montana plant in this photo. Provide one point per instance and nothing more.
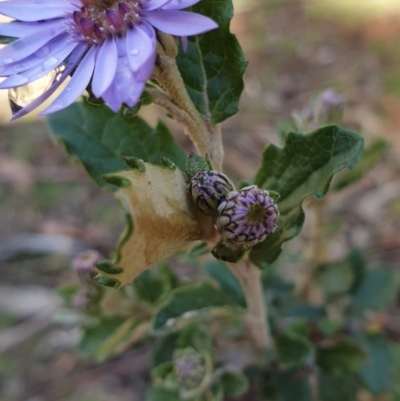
(217, 334)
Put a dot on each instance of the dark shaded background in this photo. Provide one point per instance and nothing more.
(49, 207)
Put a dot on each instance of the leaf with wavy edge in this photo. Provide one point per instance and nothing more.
(304, 167)
(160, 220)
(214, 64)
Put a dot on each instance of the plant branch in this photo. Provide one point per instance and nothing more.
(161, 99)
(256, 318)
(205, 136)
(207, 139)
(317, 252)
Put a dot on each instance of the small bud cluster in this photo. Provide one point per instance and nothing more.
(244, 217)
(327, 108)
(84, 266)
(189, 367)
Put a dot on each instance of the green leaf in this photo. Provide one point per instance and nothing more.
(214, 64)
(377, 370)
(343, 357)
(94, 336)
(163, 372)
(294, 385)
(227, 281)
(227, 253)
(145, 100)
(67, 291)
(335, 278)
(196, 164)
(235, 384)
(370, 156)
(215, 393)
(377, 291)
(194, 336)
(395, 353)
(152, 284)
(109, 347)
(305, 311)
(303, 168)
(160, 394)
(189, 303)
(358, 264)
(163, 349)
(329, 327)
(293, 349)
(99, 138)
(148, 286)
(338, 387)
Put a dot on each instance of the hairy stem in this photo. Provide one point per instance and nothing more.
(316, 253)
(256, 318)
(205, 136)
(207, 140)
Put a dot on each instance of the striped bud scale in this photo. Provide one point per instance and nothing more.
(208, 189)
(247, 216)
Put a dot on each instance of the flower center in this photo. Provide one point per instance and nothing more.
(99, 20)
(255, 214)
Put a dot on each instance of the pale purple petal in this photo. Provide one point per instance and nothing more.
(134, 93)
(179, 23)
(47, 65)
(106, 66)
(185, 43)
(55, 46)
(179, 4)
(146, 69)
(124, 88)
(111, 100)
(155, 4)
(76, 85)
(35, 10)
(140, 45)
(24, 47)
(17, 29)
(73, 61)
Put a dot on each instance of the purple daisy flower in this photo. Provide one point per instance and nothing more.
(111, 43)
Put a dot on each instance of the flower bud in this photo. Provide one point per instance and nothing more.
(208, 189)
(327, 108)
(189, 367)
(84, 265)
(80, 300)
(247, 216)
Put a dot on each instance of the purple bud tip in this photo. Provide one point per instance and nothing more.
(86, 25)
(114, 19)
(331, 98)
(84, 263)
(123, 9)
(76, 15)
